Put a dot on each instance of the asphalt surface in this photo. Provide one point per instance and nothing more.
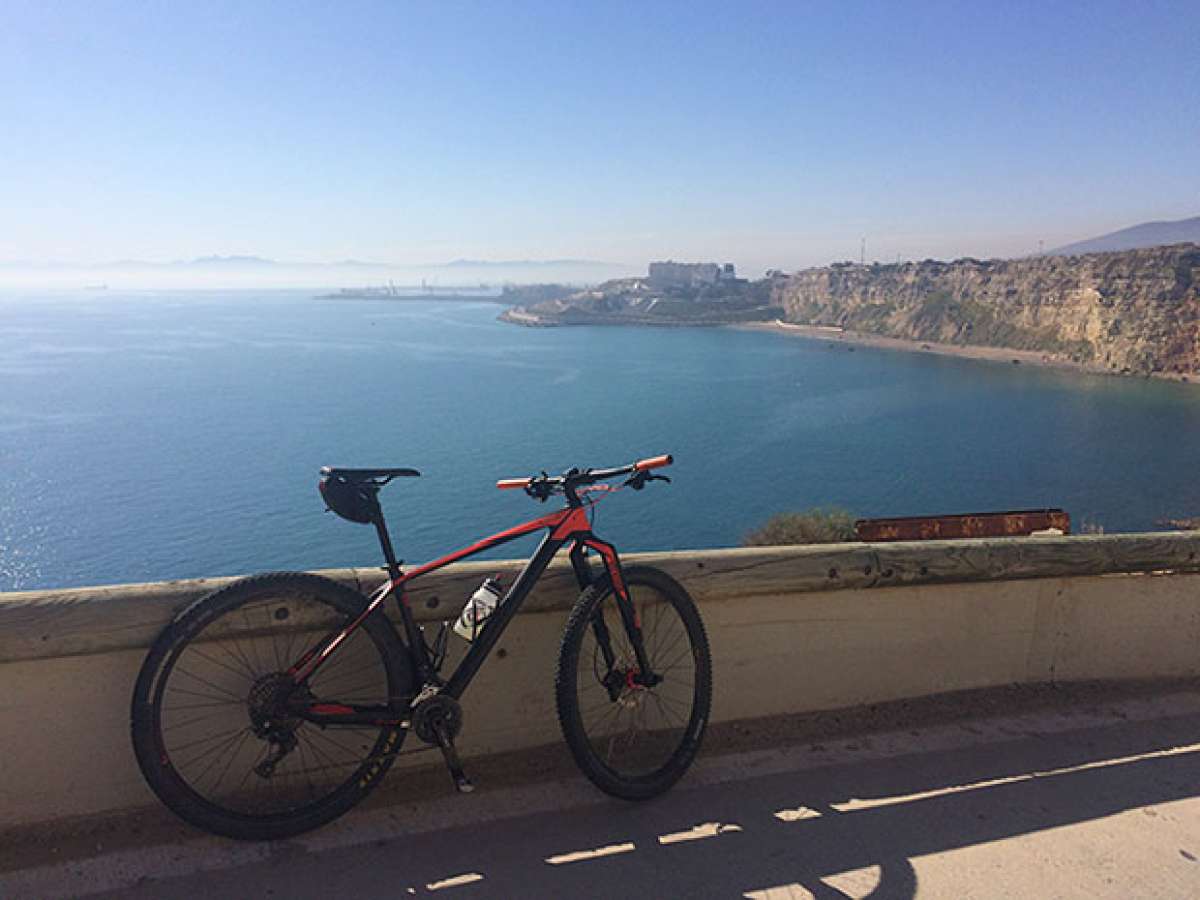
(1096, 803)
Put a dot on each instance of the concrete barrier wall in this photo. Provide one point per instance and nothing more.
(793, 629)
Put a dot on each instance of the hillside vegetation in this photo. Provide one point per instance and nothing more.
(636, 301)
(1136, 311)
(819, 525)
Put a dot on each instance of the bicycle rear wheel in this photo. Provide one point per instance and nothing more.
(217, 673)
(634, 741)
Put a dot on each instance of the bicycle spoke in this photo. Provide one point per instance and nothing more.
(218, 754)
(199, 705)
(682, 655)
(330, 741)
(337, 660)
(205, 752)
(306, 770)
(204, 718)
(663, 711)
(668, 651)
(320, 680)
(250, 638)
(237, 750)
(228, 668)
(229, 648)
(175, 689)
(208, 683)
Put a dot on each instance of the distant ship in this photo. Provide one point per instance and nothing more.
(95, 287)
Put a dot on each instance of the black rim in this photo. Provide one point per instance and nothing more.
(210, 696)
(638, 732)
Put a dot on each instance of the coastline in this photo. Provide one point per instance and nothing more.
(834, 335)
(516, 315)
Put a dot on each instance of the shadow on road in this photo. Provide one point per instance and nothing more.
(846, 830)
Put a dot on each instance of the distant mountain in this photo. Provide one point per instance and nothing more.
(259, 262)
(227, 261)
(235, 271)
(509, 263)
(1148, 234)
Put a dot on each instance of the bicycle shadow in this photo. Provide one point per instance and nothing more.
(849, 830)
(853, 830)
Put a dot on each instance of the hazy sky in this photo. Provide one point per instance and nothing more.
(769, 134)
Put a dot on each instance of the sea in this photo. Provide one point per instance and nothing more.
(149, 436)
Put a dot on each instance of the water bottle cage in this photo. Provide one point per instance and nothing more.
(437, 653)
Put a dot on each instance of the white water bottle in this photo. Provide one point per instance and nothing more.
(481, 605)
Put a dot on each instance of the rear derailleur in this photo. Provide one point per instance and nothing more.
(283, 741)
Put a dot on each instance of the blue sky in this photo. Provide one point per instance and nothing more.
(769, 134)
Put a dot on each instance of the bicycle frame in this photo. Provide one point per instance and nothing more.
(569, 525)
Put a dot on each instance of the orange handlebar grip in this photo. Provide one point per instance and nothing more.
(507, 484)
(654, 462)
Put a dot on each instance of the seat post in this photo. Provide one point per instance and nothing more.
(385, 541)
(416, 639)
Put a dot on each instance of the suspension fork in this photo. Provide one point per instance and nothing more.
(629, 615)
(585, 576)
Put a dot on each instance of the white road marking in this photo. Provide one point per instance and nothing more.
(585, 855)
(456, 881)
(797, 814)
(706, 830)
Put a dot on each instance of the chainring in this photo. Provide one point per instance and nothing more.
(435, 711)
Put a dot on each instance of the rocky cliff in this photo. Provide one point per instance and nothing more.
(1135, 311)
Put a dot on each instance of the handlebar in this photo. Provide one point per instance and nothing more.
(654, 462)
(542, 486)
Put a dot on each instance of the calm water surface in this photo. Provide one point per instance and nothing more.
(149, 437)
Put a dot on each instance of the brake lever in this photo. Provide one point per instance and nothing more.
(539, 489)
(639, 479)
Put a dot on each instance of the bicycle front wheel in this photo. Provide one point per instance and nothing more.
(209, 725)
(634, 741)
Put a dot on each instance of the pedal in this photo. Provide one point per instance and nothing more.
(461, 782)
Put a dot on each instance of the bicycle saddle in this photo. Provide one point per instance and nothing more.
(364, 474)
(351, 493)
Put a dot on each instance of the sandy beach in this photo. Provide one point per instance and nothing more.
(834, 335)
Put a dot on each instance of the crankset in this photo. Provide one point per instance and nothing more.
(437, 720)
(434, 715)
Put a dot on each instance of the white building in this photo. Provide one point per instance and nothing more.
(671, 273)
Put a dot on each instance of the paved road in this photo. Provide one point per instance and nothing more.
(1104, 803)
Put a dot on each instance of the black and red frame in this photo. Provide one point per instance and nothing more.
(568, 525)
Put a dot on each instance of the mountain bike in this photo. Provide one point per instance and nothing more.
(276, 703)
